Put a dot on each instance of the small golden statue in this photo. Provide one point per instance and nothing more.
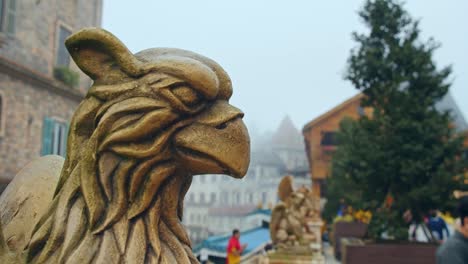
(149, 122)
(293, 226)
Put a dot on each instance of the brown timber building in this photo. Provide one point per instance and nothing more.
(319, 135)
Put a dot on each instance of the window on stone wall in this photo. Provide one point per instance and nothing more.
(202, 198)
(54, 137)
(252, 175)
(63, 58)
(2, 129)
(264, 198)
(213, 197)
(224, 198)
(8, 16)
(2, 16)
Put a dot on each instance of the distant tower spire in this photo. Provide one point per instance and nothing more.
(287, 136)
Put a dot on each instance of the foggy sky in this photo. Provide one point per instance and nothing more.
(284, 57)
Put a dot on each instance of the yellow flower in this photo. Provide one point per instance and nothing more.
(348, 218)
(447, 218)
(363, 216)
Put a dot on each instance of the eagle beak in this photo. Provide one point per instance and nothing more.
(217, 143)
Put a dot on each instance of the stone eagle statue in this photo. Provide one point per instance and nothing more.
(291, 218)
(149, 122)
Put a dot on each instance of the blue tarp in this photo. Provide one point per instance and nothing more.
(261, 211)
(253, 238)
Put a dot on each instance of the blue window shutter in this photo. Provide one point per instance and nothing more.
(47, 136)
(67, 129)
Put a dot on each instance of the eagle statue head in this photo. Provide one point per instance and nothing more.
(149, 122)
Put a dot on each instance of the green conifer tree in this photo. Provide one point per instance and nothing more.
(407, 149)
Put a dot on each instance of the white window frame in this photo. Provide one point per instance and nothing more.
(59, 138)
(3, 115)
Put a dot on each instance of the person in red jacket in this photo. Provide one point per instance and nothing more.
(234, 248)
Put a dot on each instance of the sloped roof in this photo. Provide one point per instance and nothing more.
(332, 111)
(261, 211)
(287, 135)
(448, 103)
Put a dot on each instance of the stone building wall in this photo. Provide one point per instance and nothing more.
(29, 93)
(37, 23)
(22, 134)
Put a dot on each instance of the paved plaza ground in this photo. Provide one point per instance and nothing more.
(329, 258)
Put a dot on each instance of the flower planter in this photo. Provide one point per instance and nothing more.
(388, 253)
(346, 229)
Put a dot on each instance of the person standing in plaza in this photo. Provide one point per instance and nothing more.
(342, 208)
(437, 226)
(234, 248)
(455, 249)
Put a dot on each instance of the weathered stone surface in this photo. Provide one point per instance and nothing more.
(27, 198)
(24, 109)
(295, 220)
(150, 122)
(295, 226)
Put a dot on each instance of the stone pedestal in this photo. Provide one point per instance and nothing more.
(315, 228)
(295, 256)
(298, 254)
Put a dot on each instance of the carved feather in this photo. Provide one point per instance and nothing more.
(277, 214)
(285, 188)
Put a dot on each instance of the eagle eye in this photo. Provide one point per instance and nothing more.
(221, 126)
(186, 94)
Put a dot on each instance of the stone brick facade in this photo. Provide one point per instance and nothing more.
(28, 90)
